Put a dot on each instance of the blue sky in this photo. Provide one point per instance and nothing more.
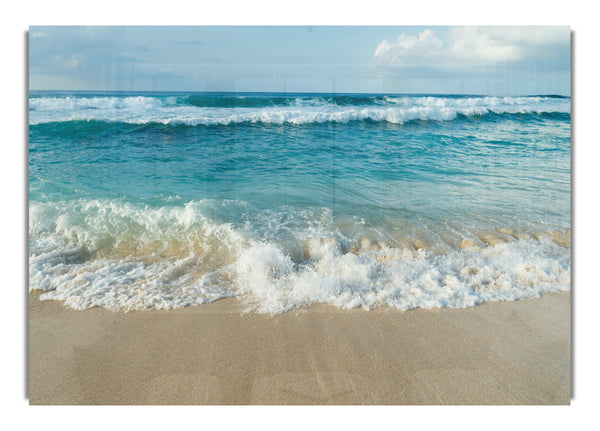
(376, 59)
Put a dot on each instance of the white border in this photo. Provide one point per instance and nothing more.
(582, 19)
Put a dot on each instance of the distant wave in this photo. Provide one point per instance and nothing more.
(301, 118)
(258, 101)
(205, 110)
(105, 103)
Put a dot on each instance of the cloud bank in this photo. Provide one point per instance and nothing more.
(471, 46)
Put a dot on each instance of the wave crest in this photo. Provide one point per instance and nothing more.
(294, 116)
(84, 103)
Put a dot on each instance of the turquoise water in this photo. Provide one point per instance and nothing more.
(166, 200)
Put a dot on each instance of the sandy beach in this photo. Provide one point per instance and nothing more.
(496, 353)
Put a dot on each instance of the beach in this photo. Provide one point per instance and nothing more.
(299, 248)
(512, 352)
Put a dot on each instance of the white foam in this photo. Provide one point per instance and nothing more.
(86, 103)
(406, 280)
(398, 110)
(125, 257)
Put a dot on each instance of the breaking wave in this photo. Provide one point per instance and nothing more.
(197, 110)
(125, 256)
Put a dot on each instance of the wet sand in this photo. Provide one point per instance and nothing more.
(496, 353)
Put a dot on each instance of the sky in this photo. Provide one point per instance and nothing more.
(510, 60)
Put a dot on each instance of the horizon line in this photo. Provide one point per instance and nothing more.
(304, 92)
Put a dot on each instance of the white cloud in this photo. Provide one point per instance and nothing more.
(484, 45)
(468, 46)
(519, 35)
(425, 44)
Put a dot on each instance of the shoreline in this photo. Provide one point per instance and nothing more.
(495, 353)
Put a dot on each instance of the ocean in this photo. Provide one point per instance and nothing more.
(165, 200)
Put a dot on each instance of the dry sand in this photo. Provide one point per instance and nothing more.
(497, 353)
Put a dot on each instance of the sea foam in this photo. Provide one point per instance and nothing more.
(396, 110)
(124, 257)
(86, 103)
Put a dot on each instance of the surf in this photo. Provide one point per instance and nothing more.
(223, 110)
(166, 200)
(125, 256)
